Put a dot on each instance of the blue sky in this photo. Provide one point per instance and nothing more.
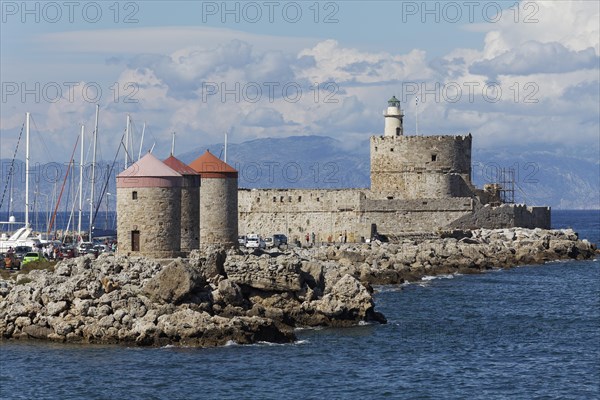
(509, 72)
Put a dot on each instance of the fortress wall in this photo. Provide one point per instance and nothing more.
(329, 213)
(295, 212)
(505, 216)
(423, 215)
(532, 217)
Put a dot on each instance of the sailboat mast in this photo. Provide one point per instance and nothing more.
(127, 143)
(142, 141)
(27, 172)
(94, 171)
(225, 153)
(81, 181)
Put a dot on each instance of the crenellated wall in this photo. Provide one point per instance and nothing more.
(331, 213)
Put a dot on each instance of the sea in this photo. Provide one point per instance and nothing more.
(531, 332)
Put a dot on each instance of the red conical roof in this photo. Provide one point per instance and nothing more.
(179, 166)
(210, 166)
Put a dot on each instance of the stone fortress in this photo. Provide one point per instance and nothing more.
(419, 184)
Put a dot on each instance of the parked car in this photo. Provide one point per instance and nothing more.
(67, 251)
(255, 242)
(33, 256)
(279, 239)
(102, 248)
(242, 240)
(269, 241)
(20, 251)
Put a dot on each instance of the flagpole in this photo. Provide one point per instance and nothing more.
(417, 115)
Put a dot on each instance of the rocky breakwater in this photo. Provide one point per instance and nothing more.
(465, 252)
(216, 296)
(207, 300)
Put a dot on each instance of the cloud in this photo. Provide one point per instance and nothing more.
(265, 117)
(534, 57)
(553, 61)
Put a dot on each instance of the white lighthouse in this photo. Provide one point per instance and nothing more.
(393, 118)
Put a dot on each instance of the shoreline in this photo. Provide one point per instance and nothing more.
(218, 296)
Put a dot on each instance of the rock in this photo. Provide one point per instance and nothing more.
(176, 281)
(265, 272)
(348, 300)
(230, 293)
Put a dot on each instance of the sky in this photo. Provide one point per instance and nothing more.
(512, 73)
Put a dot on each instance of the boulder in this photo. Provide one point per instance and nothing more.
(176, 281)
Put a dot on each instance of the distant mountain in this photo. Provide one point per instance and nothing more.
(542, 177)
(294, 162)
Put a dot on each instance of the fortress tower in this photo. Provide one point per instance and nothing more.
(218, 200)
(418, 167)
(190, 200)
(148, 209)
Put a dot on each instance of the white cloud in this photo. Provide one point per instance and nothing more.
(553, 61)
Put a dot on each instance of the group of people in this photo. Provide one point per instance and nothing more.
(310, 239)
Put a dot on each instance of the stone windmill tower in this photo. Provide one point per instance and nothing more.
(149, 209)
(218, 200)
(190, 200)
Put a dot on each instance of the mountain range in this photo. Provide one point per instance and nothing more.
(542, 176)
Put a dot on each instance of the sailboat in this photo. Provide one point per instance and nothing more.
(23, 236)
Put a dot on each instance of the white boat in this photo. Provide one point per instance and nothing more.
(22, 237)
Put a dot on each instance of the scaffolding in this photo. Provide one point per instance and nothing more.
(506, 180)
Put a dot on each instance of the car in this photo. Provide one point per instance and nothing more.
(67, 251)
(102, 248)
(242, 240)
(279, 239)
(20, 251)
(85, 248)
(255, 242)
(269, 241)
(33, 256)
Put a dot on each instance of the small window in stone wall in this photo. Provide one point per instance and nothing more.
(318, 199)
(281, 199)
(434, 157)
(299, 199)
(134, 195)
(274, 199)
(375, 148)
(258, 199)
(391, 149)
(289, 199)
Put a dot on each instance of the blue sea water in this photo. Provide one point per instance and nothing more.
(527, 332)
